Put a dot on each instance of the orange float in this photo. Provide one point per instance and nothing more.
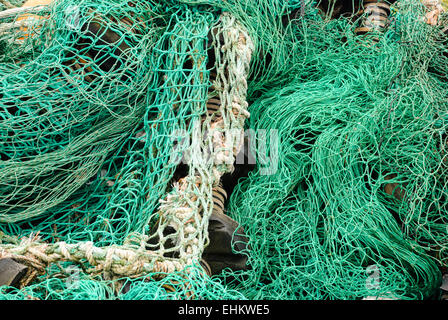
(30, 16)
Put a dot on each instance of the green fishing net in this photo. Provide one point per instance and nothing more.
(347, 199)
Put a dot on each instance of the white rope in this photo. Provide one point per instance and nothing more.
(21, 10)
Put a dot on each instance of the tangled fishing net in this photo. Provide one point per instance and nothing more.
(100, 102)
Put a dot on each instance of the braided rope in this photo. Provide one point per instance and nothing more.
(117, 260)
(15, 11)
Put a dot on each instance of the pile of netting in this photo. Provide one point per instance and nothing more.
(348, 197)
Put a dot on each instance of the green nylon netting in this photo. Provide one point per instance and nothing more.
(352, 115)
(87, 132)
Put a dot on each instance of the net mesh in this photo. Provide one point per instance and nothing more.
(348, 196)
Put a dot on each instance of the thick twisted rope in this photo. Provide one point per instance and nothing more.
(117, 260)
